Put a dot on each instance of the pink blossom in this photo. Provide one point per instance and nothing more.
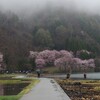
(91, 63)
(57, 54)
(40, 63)
(77, 60)
(65, 53)
(58, 62)
(47, 55)
(88, 63)
(61, 58)
(63, 62)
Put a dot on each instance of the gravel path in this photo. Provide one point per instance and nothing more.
(46, 89)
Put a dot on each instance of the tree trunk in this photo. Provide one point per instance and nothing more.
(68, 75)
(85, 76)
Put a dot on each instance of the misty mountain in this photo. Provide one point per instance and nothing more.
(47, 29)
(29, 6)
(69, 30)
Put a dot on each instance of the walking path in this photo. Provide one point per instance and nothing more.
(46, 89)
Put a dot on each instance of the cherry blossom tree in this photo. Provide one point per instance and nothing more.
(91, 63)
(59, 63)
(63, 59)
(57, 54)
(85, 64)
(64, 63)
(77, 62)
(65, 53)
(69, 63)
(44, 55)
(48, 56)
(40, 63)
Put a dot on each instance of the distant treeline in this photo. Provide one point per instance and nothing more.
(46, 30)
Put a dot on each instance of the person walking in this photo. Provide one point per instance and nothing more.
(38, 73)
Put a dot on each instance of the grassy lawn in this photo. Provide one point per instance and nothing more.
(51, 70)
(33, 82)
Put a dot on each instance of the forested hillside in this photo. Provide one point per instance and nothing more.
(15, 41)
(69, 30)
(47, 29)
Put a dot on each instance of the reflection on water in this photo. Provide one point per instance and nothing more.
(12, 89)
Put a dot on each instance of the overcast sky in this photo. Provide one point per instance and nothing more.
(26, 5)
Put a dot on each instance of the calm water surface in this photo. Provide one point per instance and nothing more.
(78, 76)
(12, 89)
(89, 75)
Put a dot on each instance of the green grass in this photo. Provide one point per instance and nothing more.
(33, 82)
(10, 97)
(10, 81)
(8, 75)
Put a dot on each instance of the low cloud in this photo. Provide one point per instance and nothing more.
(90, 6)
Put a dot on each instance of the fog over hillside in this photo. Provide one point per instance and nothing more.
(30, 6)
(37, 25)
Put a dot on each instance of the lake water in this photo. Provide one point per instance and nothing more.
(89, 75)
(78, 76)
(12, 89)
